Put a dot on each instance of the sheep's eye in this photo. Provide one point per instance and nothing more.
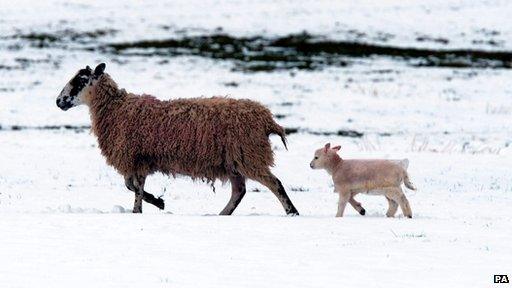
(316, 157)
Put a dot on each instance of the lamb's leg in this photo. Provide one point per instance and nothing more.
(359, 208)
(397, 195)
(392, 207)
(237, 193)
(342, 202)
(137, 183)
(272, 183)
(148, 197)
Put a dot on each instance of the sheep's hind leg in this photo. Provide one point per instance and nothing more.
(237, 193)
(148, 197)
(272, 183)
(359, 208)
(397, 195)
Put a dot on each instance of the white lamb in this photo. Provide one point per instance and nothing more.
(376, 177)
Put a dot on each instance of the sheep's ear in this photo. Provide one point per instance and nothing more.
(88, 68)
(326, 147)
(99, 69)
(337, 148)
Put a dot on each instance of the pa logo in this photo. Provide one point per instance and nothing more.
(501, 278)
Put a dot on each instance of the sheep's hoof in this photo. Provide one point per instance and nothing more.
(409, 216)
(292, 214)
(362, 212)
(159, 202)
(137, 210)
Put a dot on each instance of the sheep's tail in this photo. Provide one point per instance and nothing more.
(277, 129)
(408, 183)
(283, 138)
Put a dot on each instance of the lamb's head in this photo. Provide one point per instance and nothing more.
(324, 157)
(78, 87)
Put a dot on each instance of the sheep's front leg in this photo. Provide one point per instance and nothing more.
(148, 197)
(137, 184)
(342, 202)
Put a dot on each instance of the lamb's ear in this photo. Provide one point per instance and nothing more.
(337, 148)
(99, 69)
(326, 147)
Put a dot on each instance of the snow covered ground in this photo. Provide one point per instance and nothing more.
(61, 224)
(64, 214)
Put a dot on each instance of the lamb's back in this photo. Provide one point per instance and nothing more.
(370, 173)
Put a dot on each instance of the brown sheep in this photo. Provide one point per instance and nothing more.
(376, 177)
(204, 138)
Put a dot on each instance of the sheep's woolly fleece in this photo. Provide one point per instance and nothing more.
(205, 138)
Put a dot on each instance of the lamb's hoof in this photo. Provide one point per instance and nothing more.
(292, 214)
(137, 210)
(362, 212)
(409, 216)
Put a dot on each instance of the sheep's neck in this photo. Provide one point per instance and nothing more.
(106, 98)
(334, 164)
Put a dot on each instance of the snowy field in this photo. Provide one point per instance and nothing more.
(65, 216)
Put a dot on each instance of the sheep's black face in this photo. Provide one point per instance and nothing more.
(73, 92)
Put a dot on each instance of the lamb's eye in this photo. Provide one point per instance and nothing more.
(316, 157)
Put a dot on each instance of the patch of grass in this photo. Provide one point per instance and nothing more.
(306, 52)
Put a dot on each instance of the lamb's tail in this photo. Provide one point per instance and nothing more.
(405, 163)
(408, 183)
(277, 129)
